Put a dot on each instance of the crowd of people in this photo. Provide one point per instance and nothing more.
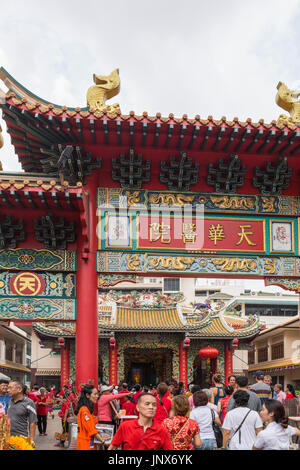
(237, 416)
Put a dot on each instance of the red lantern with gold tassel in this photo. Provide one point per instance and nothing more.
(208, 353)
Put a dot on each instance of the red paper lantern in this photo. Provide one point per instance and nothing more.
(186, 342)
(208, 353)
(235, 343)
(61, 342)
(112, 342)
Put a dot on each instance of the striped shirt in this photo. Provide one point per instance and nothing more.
(262, 390)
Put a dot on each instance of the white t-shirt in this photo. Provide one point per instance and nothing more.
(247, 434)
(203, 416)
(274, 437)
(212, 407)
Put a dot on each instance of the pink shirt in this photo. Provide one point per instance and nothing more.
(281, 396)
(105, 411)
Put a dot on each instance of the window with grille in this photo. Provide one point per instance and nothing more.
(251, 357)
(262, 354)
(277, 351)
(19, 354)
(171, 284)
(9, 351)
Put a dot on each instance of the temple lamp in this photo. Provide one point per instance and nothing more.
(208, 353)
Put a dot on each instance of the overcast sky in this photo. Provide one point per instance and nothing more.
(193, 57)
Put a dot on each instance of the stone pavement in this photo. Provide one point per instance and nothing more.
(47, 442)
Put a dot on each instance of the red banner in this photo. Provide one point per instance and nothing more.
(160, 232)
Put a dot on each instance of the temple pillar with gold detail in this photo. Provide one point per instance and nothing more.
(228, 367)
(183, 365)
(113, 362)
(65, 362)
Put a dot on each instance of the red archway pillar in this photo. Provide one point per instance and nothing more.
(113, 363)
(64, 364)
(87, 294)
(183, 366)
(228, 368)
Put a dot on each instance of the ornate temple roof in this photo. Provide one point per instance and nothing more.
(135, 319)
(37, 126)
(122, 319)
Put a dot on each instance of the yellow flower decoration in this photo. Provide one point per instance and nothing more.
(20, 443)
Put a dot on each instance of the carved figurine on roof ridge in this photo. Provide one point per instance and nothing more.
(290, 101)
(105, 87)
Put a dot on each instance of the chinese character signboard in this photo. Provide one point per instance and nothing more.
(208, 234)
(162, 232)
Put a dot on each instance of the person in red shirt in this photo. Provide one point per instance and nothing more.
(138, 391)
(128, 406)
(164, 405)
(33, 393)
(41, 411)
(142, 433)
(123, 389)
(223, 402)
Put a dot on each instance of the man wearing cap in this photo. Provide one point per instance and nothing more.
(105, 410)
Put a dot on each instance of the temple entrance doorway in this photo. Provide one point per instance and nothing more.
(204, 369)
(147, 366)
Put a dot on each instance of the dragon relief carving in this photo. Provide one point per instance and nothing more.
(104, 89)
(228, 264)
(171, 199)
(268, 204)
(270, 265)
(178, 263)
(133, 262)
(227, 202)
(289, 100)
(133, 198)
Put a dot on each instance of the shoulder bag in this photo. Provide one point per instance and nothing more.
(217, 430)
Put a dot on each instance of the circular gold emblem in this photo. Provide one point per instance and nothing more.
(27, 284)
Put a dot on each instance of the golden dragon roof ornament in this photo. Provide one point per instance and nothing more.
(289, 100)
(104, 89)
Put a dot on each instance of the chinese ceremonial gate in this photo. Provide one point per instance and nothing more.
(106, 196)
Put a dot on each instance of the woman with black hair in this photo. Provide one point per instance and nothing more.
(164, 405)
(290, 402)
(86, 421)
(223, 402)
(277, 434)
(290, 392)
